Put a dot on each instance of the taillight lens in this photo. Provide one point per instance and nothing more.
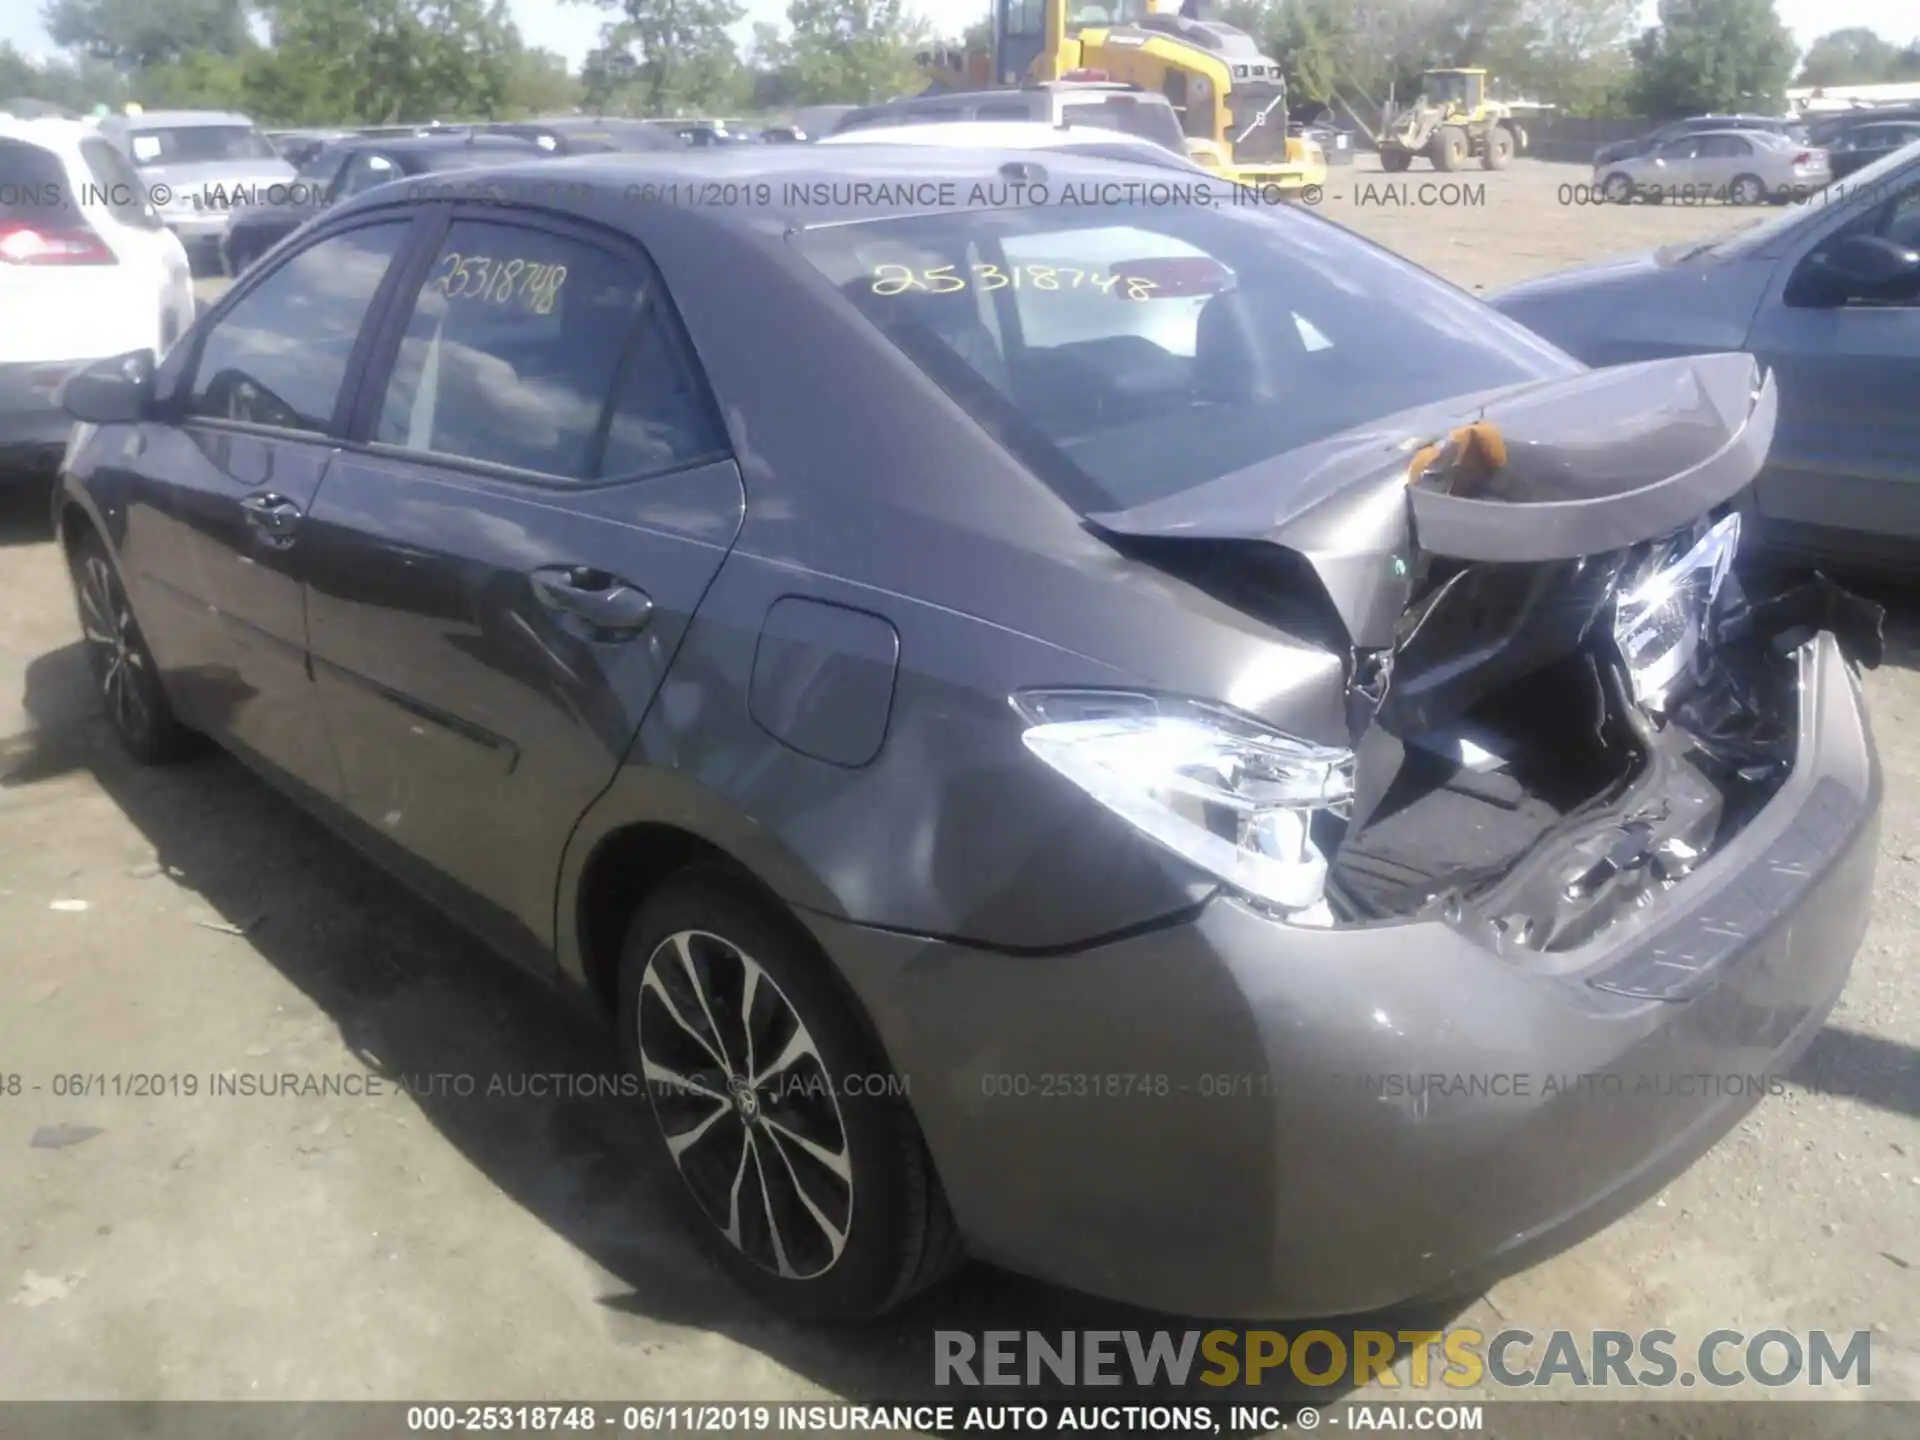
(51, 245)
(1805, 157)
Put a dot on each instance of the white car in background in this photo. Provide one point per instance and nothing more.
(87, 271)
(1018, 135)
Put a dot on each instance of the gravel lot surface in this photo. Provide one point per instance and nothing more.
(189, 923)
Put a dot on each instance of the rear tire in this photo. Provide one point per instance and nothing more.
(1747, 190)
(813, 1193)
(1499, 153)
(1395, 162)
(123, 667)
(1450, 149)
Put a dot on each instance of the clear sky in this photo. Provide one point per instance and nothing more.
(572, 29)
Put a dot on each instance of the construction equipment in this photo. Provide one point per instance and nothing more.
(1231, 99)
(1451, 122)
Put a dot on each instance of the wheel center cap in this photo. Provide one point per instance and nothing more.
(745, 1102)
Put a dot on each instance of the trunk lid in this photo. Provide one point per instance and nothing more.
(1584, 465)
(1522, 764)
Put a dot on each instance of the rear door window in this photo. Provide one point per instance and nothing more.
(542, 352)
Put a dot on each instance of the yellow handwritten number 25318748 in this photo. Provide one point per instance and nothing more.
(500, 282)
(946, 279)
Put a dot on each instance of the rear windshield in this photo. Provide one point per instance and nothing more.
(33, 186)
(199, 144)
(1129, 352)
(1148, 120)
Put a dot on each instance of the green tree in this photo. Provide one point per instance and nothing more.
(137, 34)
(539, 83)
(1574, 53)
(1708, 56)
(384, 62)
(667, 57)
(852, 51)
(196, 80)
(74, 84)
(1858, 56)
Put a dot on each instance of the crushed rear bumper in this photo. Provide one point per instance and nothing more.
(1235, 1117)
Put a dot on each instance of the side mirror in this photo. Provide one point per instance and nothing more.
(116, 391)
(1863, 267)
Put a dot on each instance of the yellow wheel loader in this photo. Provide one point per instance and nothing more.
(1231, 99)
(1452, 123)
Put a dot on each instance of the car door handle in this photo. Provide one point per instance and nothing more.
(274, 514)
(603, 601)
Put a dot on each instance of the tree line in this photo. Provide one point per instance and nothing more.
(317, 62)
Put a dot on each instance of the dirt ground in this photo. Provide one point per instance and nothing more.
(190, 923)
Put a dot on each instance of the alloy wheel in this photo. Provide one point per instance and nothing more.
(118, 658)
(746, 1105)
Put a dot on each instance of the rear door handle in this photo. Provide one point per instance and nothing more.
(274, 515)
(605, 602)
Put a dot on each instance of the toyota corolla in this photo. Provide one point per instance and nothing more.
(1125, 736)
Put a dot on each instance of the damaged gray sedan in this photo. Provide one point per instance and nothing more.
(1166, 748)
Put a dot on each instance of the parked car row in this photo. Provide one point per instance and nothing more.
(1000, 700)
(1826, 293)
(1747, 159)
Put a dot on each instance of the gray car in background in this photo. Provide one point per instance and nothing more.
(198, 166)
(1176, 753)
(1741, 167)
(1826, 294)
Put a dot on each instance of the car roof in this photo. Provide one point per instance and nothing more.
(781, 188)
(50, 133)
(506, 144)
(1012, 135)
(178, 119)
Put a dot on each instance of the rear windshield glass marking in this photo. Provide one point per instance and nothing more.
(894, 279)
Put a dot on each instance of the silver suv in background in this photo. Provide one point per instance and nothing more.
(197, 166)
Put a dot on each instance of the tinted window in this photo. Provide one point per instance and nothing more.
(1724, 146)
(33, 186)
(1145, 350)
(1899, 219)
(118, 185)
(519, 337)
(198, 144)
(365, 171)
(280, 355)
(1004, 110)
(323, 170)
(1157, 123)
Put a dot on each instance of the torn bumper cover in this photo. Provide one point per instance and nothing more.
(1582, 920)
(1563, 694)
